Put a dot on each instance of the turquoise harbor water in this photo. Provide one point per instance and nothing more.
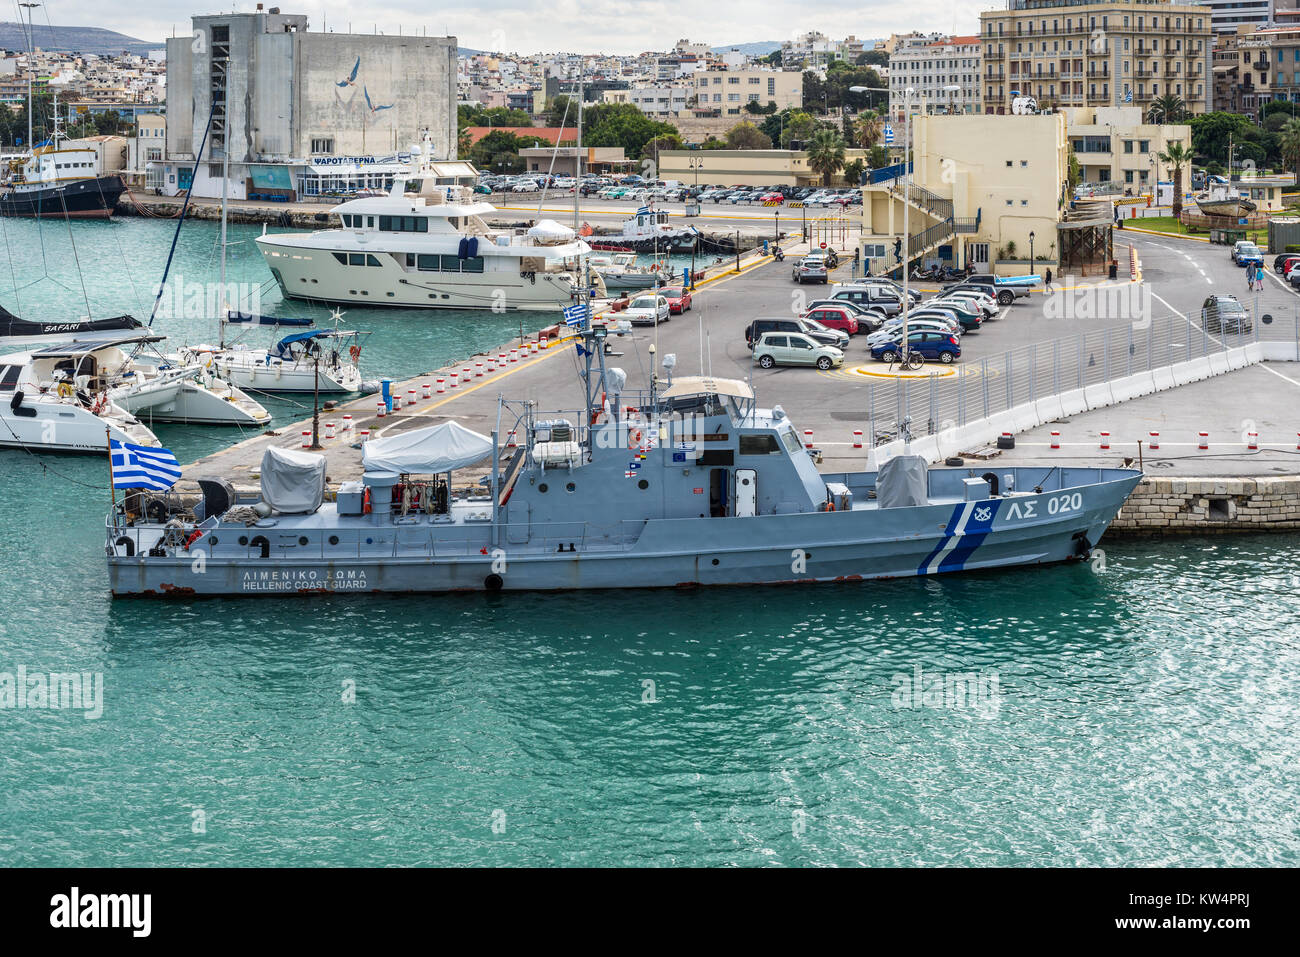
(1141, 713)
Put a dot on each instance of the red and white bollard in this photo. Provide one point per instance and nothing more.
(534, 348)
(465, 374)
(491, 364)
(543, 343)
(514, 355)
(453, 380)
(1153, 440)
(381, 409)
(807, 438)
(410, 397)
(1252, 440)
(501, 360)
(397, 401)
(478, 369)
(1205, 440)
(347, 423)
(329, 430)
(1056, 440)
(857, 438)
(1105, 440)
(511, 443)
(426, 390)
(306, 439)
(365, 435)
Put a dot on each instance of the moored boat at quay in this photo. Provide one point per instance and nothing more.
(693, 484)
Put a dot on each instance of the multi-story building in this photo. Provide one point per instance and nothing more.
(982, 185)
(1253, 67)
(928, 66)
(1114, 144)
(1067, 53)
(727, 91)
(275, 98)
(1228, 15)
(661, 102)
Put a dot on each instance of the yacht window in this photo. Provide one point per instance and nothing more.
(428, 263)
(372, 261)
(342, 258)
(472, 264)
(370, 221)
(791, 441)
(450, 263)
(356, 259)
(758, 444)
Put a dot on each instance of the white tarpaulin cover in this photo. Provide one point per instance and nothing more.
(548, 230)
(293, 482)
(439, 448)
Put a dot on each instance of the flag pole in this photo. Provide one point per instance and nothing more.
(112, 488)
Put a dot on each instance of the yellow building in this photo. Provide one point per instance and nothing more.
(727, 91)
(980, 184)
(746, 167)
(1113, 144)
(1068, 53)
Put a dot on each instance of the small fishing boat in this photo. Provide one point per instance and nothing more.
(648, 231)
(1222, 199)
(323, 360)
(622, 272)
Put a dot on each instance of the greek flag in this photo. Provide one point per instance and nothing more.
(575, 314)
(643, 211)
(1128, 95)
(889, 134)
(138, 466)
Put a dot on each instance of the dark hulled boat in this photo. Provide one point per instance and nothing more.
(92, 198)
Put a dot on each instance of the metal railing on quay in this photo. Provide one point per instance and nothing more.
(976, 388)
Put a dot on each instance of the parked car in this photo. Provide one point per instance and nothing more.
(830, 337)
(835, 317)
(1003, 297)
(1244, 251)
(795, 349)
(1282, 263)
(646, 310)
(772, 197)
(970, 320)
(852, 290)
(931, 344)
(679, 298)
(877, 297)
(812, 268)
(1004, 292)
(1225, 314)
(869, 320)
(893, 332)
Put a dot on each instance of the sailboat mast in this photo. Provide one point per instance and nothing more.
(225, 195)
(577, 158)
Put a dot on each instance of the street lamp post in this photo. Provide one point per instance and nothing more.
(1033, 270)
(696, 163)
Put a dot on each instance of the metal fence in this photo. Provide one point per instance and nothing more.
(972, 389)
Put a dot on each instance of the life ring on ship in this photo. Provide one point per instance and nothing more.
(654, 268)
(365, 502)
(634, 437)
(65, 389)
(354, 353)
(101, 402)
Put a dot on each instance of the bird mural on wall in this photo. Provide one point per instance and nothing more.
(351, 77)
(371, 106)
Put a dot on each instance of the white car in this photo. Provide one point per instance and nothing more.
(966, 303)
(529, 187)
(891, 330)
(987, 304)
(645, 311)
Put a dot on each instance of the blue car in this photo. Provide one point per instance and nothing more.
(932, 345)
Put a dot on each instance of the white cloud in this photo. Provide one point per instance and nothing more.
(585, 26)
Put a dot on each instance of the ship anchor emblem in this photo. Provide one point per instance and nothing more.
(982, 514)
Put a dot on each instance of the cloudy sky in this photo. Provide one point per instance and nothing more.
(588, 26)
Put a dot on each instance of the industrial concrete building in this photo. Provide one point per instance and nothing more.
(1114, 144)
(289, 104)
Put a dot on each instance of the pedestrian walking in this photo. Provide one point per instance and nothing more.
(1047, 287)
(1250, 277)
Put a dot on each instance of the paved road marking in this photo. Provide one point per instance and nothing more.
(1219, 341)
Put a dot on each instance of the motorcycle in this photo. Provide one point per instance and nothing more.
(779, 255)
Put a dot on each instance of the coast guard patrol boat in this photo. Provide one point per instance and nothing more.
(689, 484)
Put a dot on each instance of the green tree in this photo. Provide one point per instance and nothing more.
(878, 157)
(826, 154)
(853, 171)
(499, 149)
(1212, 131)
(747, 136)
(473, 114)
(1289, 143)
(656, 145)
(1168, 108)
(799, 126)
(1176, 156)
(868, 128)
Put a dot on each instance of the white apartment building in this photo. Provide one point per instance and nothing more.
(1227, 15)
(927, 66)
(727, 91)
(660, 102)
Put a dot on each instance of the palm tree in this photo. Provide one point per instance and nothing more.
(1288, 142)
(1176, 156)
(1167, 109)
(867, 129)
(826, 154)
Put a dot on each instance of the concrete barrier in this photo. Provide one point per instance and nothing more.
(1072, 403)
(1163, 378)
(1098, 396)
(1218, 363)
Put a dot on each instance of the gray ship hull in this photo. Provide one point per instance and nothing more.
(467, 553)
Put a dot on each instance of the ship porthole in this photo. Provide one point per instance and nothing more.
(243, 539)
(643, 485)
(213, 540)
(715, 561)
(543, 487)
(334, 539)
(570, 487)
(493, 582)
(302, 539)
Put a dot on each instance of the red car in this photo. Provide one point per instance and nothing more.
(679, 298)
(835, 317)
(772, 198)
